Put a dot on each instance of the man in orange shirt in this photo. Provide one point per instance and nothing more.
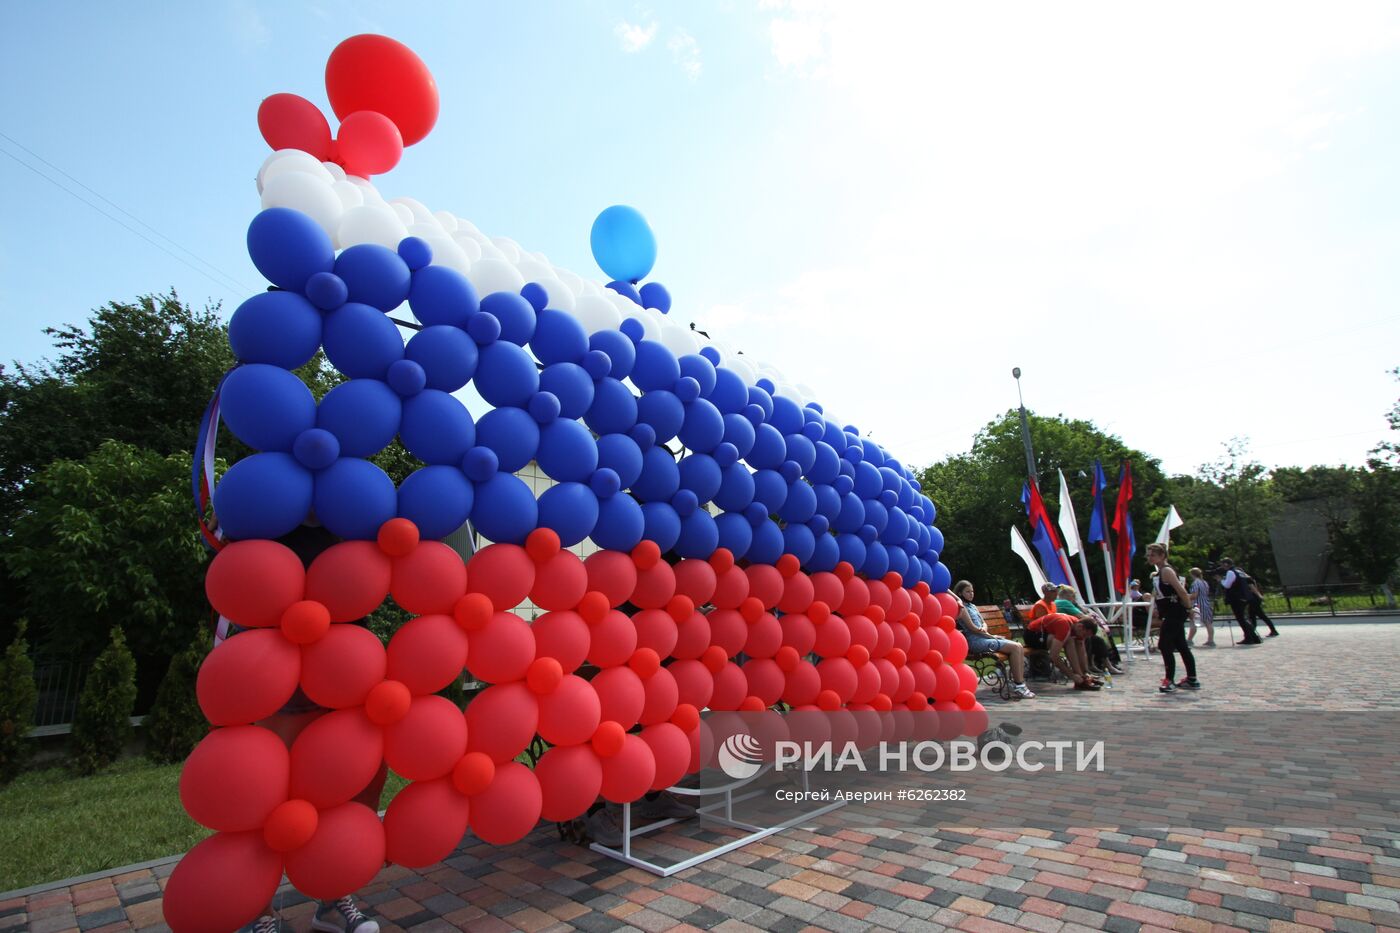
(1058, 628)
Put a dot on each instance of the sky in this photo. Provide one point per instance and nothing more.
(1180, 222)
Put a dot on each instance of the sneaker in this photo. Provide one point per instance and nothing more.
(1209, 644)
(342, 917)
(1088, 685)
(1167, 686)
(665, 806)
(267, 923)
(1022, 691)
(1189, 683)
(604, 826)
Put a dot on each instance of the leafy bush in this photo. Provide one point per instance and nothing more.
(176, 724)
(18, 697)
(102, 724)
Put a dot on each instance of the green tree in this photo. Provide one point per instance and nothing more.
(175, 723)
(106, 540)
(102, 723)
(1228, 510)
(1368, 539)
(19, 696)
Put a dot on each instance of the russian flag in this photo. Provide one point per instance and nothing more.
(1098, 520)
(1123, 527)
(1043, 536)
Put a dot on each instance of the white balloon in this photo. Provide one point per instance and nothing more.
(466, 226)
(597, 313)
(591, 287)
(742, 368)
(573, 282)
(508, 247)
(679, 340)
(560, 297)
(470, 247)
(421, 214)
(651, 330)
(336, 171)
(787, 391)
(489, 251)
(290, 160)
(495, 275)
(424, 230)
(448, 222)
(540, 257)
(533, 271)
(403, 212)
(371, 223)
(448, 253)
(350, 195)
(806, 391)
(307, 193)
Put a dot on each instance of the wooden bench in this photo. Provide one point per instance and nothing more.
(993, 668)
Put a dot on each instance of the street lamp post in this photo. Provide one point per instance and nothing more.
(1031, 471)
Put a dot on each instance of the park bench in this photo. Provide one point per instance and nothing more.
(993, 668)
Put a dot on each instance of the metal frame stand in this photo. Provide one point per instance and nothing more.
(708, 812)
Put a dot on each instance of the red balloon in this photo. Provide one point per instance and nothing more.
(305, 621)
(798, 593)
(731, 686)
(240, 866)
(949, 603)
(560, 582)
(884, 640)
(975, 720)
(731, 588)
(839, 676)
(670, 752)
(965, 699)
(957, 648)
(570, 715)
(234, 778)
(429, 580)
(833, 638)
(967, 677)
(629, 774)
(427, 653)
(607, 741)
(918, 643)
(339, 670)
(662, 694)
(336, 757)
(253, 582)
(368, 143)
(388, 702)
(398, 536)
(799, 633)
(694, 682)
(372, 72)
(879, 595)
(350, 579)
(248, 677)
(765, 637)
(502, 650)
(501, 721)
(424, 823)
(543, 676)
(427, 742)
(473, 773)
(621, 696)
(612, 641)
(613, 574)
(899, 603)
(509, 808)
(563, 636)
(905, 687)
(801, 684)
(946, 682)
(290, 825)
(828, 589)
(692, 636)
(343, 856)
(655, 586)
(728, 630)
(765, 679)
(570, 778)
(862, 631)
(924, 677)
(856, 597)
(696, 579)
(889, 677)
(867, 684)
(765, 583)
(657, 630)
(938, 639)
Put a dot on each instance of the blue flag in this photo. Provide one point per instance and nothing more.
(1098, 521)
(1042, 536)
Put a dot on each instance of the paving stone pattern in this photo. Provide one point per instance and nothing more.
(832, 877)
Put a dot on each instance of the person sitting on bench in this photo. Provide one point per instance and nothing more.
(1065, 635)
(1103, 654)
(980, 641)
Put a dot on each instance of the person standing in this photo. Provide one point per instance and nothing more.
(1202, 609)
(1238, 588)
(1173, 604)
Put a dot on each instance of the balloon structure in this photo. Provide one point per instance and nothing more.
(774, 557)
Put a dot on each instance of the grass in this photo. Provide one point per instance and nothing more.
(54, 825)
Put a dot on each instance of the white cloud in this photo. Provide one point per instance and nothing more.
(685, 52)
(635, 36)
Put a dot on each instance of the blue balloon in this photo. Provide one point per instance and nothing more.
(739, 431)
(852, 514)
(826, 465)
(481, 463)
(762, 399)
(627, 290)
(363, 414)
(661, 524)
(769, 449)
(558, 337)
(825, 554)
(800, 504)
(543, 407)
(620, 523)
(621, 351)
(867, 478)
(288, 247)
(935, 538)
(536, 294)
(828, 501)
(516, 316)
(406, 378)
(942, 578)
(730, 395)
(571, 509)
(567, 452)
(801, 450)
(415, 252)
(898, 560)
(484, 328)
(361, 342)
(442, 295)
(316, 448)
(571, 386)
(736, 489)
(663, 411)
(266, 407)
(506, 375)
(699, 535)
(703, 429)
(374, 275)
(872, 453)
(656, 367)
(852, 549)
(437, 428)
(277, 328)
(511, 434)
(448, 356)
(787, 417)
(353, 498)
(889, 480)
(834, 436)
(876, 515)
(896, 528)
(702, 476)
(263, 496)
(438, 499)
(505, 510)
(655, 295)
(614, 408)
(767, 544)
(619, 453)
(701, 370)
(770, 489)
(735, 533)
(799, 541)
(660, 476)
(623, 244)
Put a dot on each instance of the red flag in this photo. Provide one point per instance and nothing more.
(1126, 546)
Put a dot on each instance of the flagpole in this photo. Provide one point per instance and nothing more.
(1088, 580)
(1031, 471)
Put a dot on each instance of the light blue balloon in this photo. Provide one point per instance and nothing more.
(623, 244)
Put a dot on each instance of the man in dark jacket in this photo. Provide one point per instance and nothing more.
(1239, 593)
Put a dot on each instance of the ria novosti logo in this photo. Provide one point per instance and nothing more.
(740, 756)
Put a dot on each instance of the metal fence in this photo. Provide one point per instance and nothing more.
(59, 683)
(1327, 599)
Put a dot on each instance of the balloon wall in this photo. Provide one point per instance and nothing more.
(745, 551)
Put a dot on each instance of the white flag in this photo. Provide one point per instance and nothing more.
(1069, 526)
(1173, 520)
(1023, 550)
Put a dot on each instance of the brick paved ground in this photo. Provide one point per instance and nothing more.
(836, 878)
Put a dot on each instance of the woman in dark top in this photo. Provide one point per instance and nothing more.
(1174, 607)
